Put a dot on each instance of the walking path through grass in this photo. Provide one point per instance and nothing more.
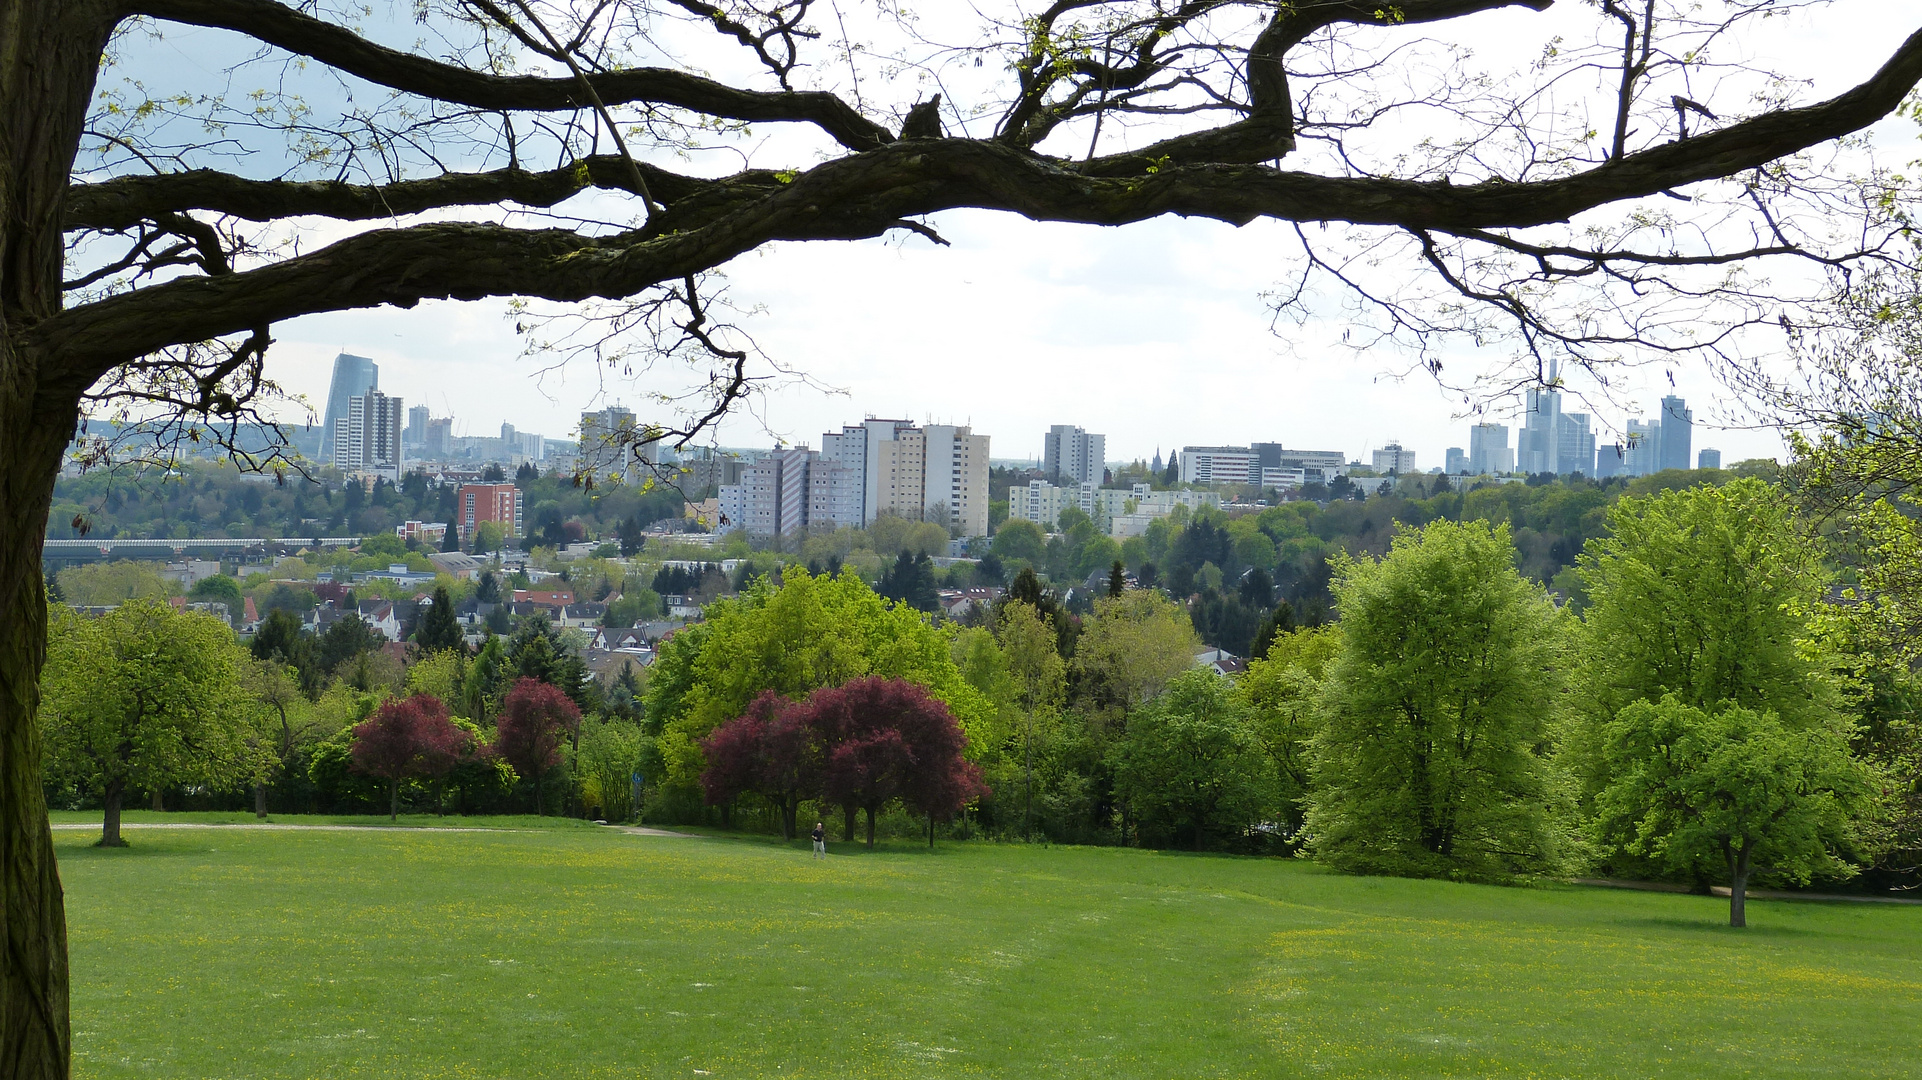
(593, 952)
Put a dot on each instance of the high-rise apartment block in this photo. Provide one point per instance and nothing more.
(1394, 458)
(610, 446)
(353, 376)
(477, 504)
(439, 440)
(1488, 451)
(367, 439)
(1070, 455)
(933, 472)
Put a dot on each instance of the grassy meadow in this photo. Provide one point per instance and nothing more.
(584, 952)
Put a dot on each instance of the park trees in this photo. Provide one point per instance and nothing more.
(1431, 759)
(1282, 691)
(1038, 679)
(535, 720)
(1133, 647)
(884, 739)
(1192, 767)
(182, 262)
(408, 739)
(1734, 788)
(770, 751)
(143, 698)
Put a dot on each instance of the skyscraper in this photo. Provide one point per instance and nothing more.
(609, 439)
(416, 433)
(1708, 459)
(1678, 434)
(353, 376)
(1488, 450)
(1073, 456)
(1454, 461)
(1575, 445)
(1538, 447)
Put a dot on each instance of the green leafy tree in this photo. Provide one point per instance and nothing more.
(1431, 757)
(1191, 765)
(1038, 678)
(218, 589)
(1733, 790)
(1706, 594)
(1282, 691)
(439, 630)
(104, 584)
(1019, 539)
(1135, 645)
(144, 698)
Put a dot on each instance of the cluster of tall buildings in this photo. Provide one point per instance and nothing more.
(366, 432)
(1551, 440)
(924, 472)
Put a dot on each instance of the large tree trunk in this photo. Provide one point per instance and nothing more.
(49, 58)
(260, 799)
(870, 810)
(110, 819)
(393, 800)
(847, 823)
(790, 809)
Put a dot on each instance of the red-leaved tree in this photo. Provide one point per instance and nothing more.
(770, 751)
(534, 720)
(407, 739)
(885, 739)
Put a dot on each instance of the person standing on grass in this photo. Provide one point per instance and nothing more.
(820, 841)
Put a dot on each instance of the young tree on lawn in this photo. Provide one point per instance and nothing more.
(137, 271)
(1736, 790)
(406, 739)
(143, 698)
(535, 719)
(883, 739)
(769, 751)
(1431, 758)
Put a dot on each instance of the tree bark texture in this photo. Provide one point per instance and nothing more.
(260, 799)
(49, 57)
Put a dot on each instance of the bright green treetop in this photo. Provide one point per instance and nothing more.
(1431, 758)
(1733, 790)
(1191, 765)
(1706, 594)
(145, 697)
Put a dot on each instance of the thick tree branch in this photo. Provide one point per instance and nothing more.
(286, 28)
(125, 201)
(864, 195)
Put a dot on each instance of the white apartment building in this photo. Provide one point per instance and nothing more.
(1072, 455)
(367, 439)
(934, 471)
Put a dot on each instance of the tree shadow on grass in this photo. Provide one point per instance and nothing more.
(1718, 927)
(137, 848)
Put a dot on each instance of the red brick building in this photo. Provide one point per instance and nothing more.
(481, 503)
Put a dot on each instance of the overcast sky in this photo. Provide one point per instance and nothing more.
(1154, 334)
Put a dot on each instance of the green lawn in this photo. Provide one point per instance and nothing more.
(579, 952)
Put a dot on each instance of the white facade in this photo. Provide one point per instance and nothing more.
(1074, 456)
(939, 469)
(367, 439)
(1394, 458)
(1219, 465)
